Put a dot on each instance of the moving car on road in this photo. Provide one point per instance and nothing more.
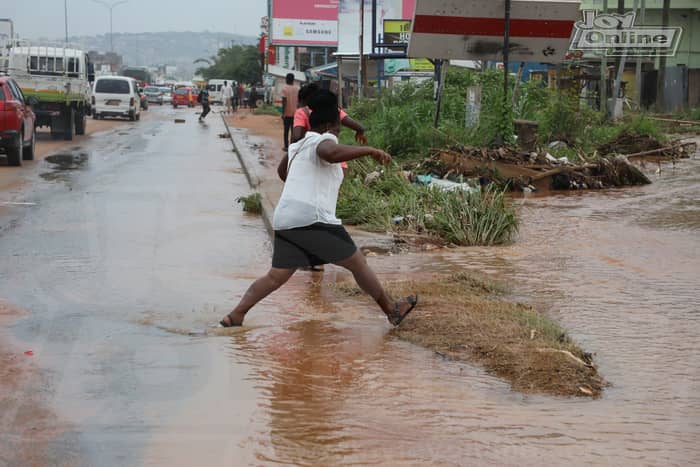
(17, 135)
(116, 96)
(154, 94)
(167, 94)
(184, 96)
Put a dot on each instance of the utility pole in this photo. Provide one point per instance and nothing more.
(661, 76)
(604, 75)
(110, 7)
(638, 67)
(361, 67)
(65, 15)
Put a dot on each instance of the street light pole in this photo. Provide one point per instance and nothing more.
(110, 6)
(65, 15)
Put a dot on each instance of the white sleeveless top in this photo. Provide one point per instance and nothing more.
(311, 190)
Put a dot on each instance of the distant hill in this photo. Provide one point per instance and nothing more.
(158, 48)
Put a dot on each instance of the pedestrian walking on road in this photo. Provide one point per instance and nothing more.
(227, 97)
(290, 96)
(307, 231)
(203, 98)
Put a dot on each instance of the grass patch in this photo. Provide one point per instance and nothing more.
(267, 109)
(251, 203)
(458, 217)
(461, 317)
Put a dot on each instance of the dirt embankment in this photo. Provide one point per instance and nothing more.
(462, 317)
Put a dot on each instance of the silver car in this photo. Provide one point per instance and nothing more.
(153, 94)
(167, 95)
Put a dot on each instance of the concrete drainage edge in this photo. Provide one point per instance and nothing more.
(247, 162)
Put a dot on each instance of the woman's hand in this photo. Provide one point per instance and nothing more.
(360, 137)
(380, 156)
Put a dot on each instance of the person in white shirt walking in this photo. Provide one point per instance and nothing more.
(227, 96)
(307, 231)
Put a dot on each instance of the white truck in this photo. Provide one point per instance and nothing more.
(55, 81)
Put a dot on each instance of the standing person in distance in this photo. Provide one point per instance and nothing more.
(227, 97)
(301, 116)
(290, 96)
(203, 98)
(307, 231)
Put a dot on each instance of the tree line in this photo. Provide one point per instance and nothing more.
(239, 62)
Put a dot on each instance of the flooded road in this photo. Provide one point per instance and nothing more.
(131, 246)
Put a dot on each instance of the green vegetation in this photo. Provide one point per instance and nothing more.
(267, 109)
(401, 121)
(391, 203)
(251, 203)
(691, 114)
(239, 62)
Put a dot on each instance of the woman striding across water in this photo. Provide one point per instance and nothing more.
(307, 232)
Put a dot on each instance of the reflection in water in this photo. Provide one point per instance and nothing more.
(307, 372)
(619, 269)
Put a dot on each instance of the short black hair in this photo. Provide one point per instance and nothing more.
(324, 106)
(289, 78)
(307, 91)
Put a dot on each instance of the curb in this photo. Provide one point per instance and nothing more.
(248, 162)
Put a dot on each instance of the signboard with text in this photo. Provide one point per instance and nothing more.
(397, 32)
(305, 22)
(540, 30)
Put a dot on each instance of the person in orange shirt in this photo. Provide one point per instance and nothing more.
(290, 95)
(301, 117)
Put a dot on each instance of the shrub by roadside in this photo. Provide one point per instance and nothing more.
(251, 203)
(391, 203)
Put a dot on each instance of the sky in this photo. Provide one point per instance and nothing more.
(45, 18)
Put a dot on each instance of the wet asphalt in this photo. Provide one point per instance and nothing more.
(125, 250)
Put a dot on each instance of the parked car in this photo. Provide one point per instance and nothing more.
(167, 95)
(116, 96)
(184, 96)
(154, 94)
(17, 120)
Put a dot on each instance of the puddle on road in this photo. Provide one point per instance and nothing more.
(63, 164)
(68, 161)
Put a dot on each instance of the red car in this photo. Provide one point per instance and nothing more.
(184, 96)
(17, 135)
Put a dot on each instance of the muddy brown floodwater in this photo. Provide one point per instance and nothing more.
(619, 269)
(120, 264)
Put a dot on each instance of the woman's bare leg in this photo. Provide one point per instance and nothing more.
(261, 288)
(367, 280)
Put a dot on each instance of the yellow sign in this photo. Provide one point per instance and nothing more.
(397, 31)
(421, 64)
(397, 25)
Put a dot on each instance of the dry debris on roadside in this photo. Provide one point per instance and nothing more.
(532, 171)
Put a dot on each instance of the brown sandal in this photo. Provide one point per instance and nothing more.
(396, 318)
(230, 322)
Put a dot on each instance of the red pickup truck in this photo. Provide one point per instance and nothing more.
(17, 135)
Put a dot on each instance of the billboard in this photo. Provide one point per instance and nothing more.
(349, 19)
(305, 22)
(540, 30)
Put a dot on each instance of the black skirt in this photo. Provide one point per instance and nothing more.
(311, 245)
